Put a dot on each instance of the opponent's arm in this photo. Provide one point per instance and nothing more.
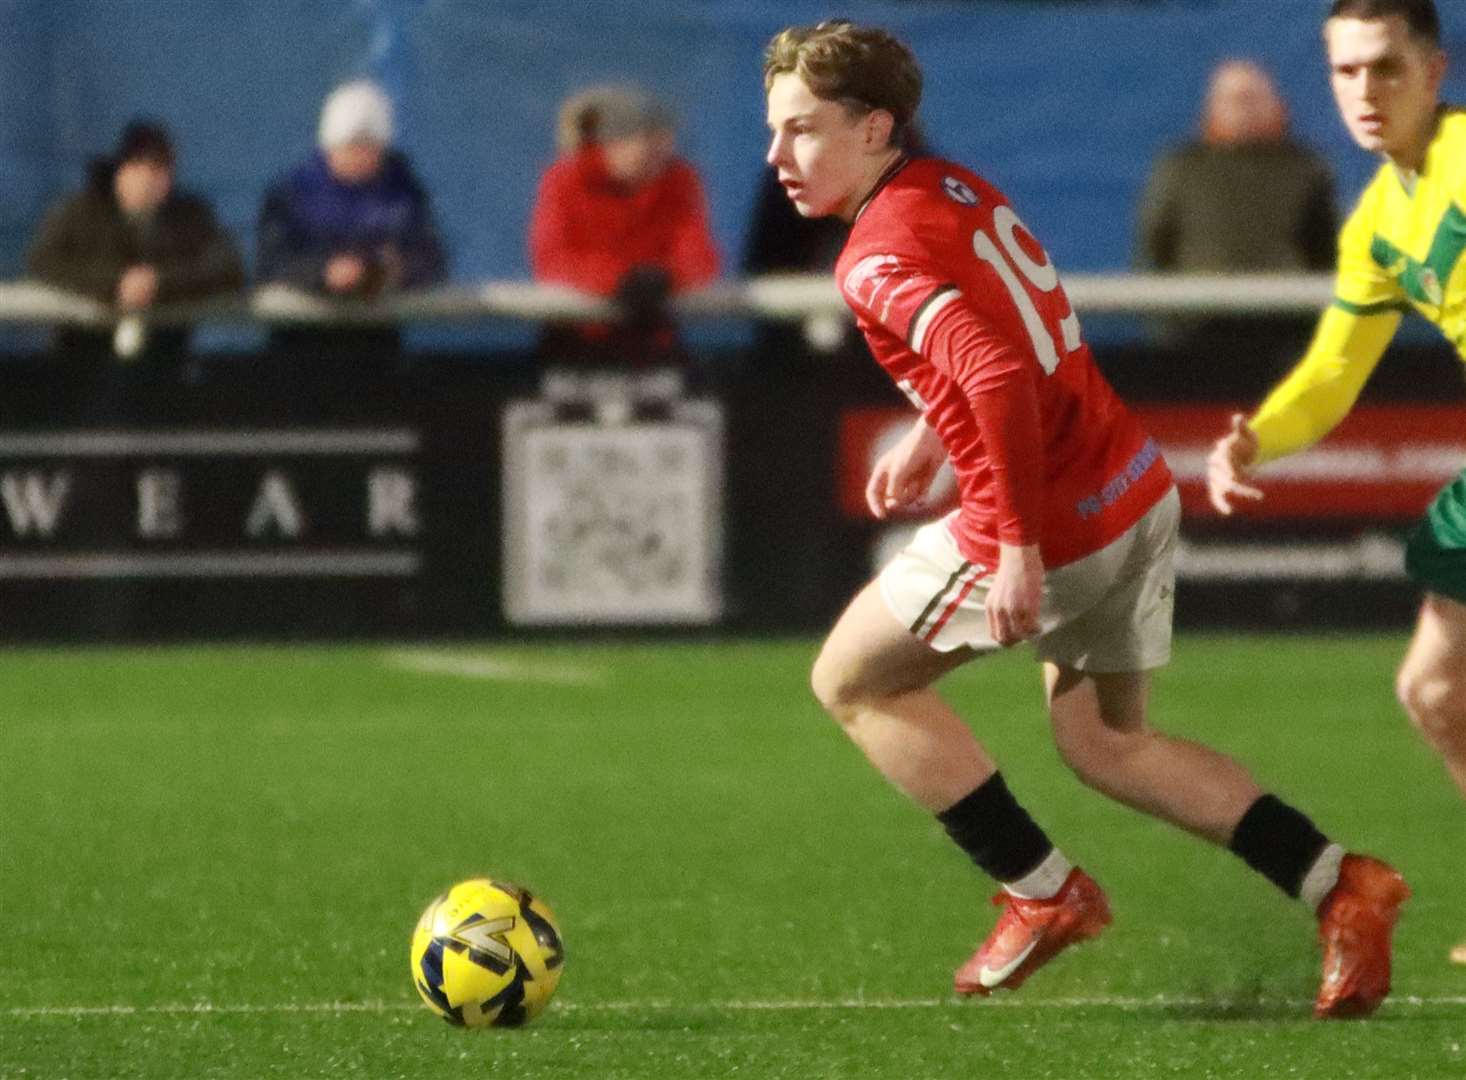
(1321, 390)
(1306, 406)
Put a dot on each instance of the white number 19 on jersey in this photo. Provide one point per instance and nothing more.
(1042, 276)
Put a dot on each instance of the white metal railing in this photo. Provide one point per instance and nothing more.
(791, 297)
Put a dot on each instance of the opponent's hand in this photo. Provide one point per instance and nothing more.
(903, 474)
(1014, 596)
(1229, 465)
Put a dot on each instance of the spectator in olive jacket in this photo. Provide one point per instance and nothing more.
(131, 240)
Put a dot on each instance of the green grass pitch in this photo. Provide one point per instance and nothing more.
(211, 861)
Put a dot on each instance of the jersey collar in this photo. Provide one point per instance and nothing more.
(887, 175)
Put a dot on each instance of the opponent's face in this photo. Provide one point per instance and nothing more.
(1386, 83)
(826, 156)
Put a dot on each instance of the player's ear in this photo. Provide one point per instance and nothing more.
(879, 124)
(1438, 65)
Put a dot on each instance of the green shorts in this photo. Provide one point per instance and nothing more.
(1435, 553)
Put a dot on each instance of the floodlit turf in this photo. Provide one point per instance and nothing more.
(211, 861)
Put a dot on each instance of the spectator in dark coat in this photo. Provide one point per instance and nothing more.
(131, 240)
(1243, 198)
(354, 221)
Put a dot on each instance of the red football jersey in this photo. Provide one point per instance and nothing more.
(965, 311)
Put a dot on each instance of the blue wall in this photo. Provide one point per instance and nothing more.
(1063, 105)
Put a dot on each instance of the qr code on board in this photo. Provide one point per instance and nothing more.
(614, 523)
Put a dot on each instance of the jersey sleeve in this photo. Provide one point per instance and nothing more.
(1361, 284)
(997, 379)
(981, 352)
(1321, 390)
(1351, 337)
(899, 292)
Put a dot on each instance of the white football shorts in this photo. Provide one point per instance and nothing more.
(1107, 612)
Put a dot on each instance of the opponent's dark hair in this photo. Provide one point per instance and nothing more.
(864, 68)
(1420, 16)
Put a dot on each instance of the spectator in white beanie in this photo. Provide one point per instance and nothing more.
(353, 220)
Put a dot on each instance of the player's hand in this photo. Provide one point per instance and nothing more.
(1014, 596)
(904, 473)
(1230, 464)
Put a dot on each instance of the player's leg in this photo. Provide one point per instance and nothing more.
(1096, 666)
(1432, 687)
(1098, 689)
(875, 679)
(1102, 733)
(1431, 683)
(1100, 728)
(875, 676)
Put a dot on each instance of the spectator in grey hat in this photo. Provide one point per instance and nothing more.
(620, 215)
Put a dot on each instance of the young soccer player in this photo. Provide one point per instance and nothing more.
(1401, 248)
(1064, 535)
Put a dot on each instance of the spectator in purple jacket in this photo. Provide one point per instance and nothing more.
(352, 222)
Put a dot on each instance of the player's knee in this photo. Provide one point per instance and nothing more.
(833, 686)
(1436, 706)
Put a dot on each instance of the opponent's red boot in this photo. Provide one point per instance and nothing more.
(1032, 932)
(1355, 921)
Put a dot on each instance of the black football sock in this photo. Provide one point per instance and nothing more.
(1279, 842)
(995, 831)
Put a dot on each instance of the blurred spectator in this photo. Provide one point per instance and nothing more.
(620, 215)
(1243, 198)
(131, 240)
(352, 222)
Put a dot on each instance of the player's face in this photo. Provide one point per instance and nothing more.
(824, 154)
(1386, 84)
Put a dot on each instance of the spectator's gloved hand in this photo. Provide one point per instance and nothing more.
(642, 294)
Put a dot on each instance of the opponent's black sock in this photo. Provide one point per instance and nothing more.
(1279, 842)
(996, 832)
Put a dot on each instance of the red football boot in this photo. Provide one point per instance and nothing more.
(1031, 932)
(1355, 921)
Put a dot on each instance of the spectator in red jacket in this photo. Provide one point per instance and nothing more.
(620, 215)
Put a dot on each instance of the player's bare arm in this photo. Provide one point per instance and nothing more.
(1230, 465)
(904, 473)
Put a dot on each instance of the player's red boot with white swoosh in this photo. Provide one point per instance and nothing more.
(1355, 922)
(1031, 932)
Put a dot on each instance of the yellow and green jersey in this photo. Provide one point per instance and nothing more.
(1400, 249)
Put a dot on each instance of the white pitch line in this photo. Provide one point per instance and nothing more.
(493, 668)
(1160, 1003)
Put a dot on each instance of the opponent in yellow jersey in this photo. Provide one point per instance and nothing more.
(1402, 248)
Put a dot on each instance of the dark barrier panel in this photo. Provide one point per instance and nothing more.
(259, 497)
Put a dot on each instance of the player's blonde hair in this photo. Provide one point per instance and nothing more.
(864, 68)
